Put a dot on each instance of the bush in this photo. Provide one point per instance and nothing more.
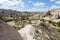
(41, 19)
(6, 20)
(52, 22)
(58, 24)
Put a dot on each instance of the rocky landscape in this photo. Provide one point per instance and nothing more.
(17, 25)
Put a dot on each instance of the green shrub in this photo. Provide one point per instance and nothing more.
(49, 21)
(41, 19)
(52, 22)
(6, 20)
(58, 24)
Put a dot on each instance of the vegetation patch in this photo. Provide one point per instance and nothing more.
(58, 24)
(52, 22)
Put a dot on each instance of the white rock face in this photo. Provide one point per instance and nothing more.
(54, 14)
(40, 32)
(27, 32)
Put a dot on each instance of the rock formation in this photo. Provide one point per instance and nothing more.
(8, 33)
(40, 32)
(27, 32)
(54, 13)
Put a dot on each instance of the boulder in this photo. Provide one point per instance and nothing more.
(8, 33)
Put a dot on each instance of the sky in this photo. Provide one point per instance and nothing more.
(30, 5)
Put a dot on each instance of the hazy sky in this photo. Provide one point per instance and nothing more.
(29, 5)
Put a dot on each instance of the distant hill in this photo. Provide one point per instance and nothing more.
(13, 12)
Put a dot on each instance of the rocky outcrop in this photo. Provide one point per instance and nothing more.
(8, 33)
(40, 32)
(27, 32)
(54, 14)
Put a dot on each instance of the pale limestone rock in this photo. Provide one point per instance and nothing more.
(27, 32)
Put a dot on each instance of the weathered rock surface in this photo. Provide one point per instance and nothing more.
(27, 32)
(55, 13)
(40, 32)
(8, 33)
